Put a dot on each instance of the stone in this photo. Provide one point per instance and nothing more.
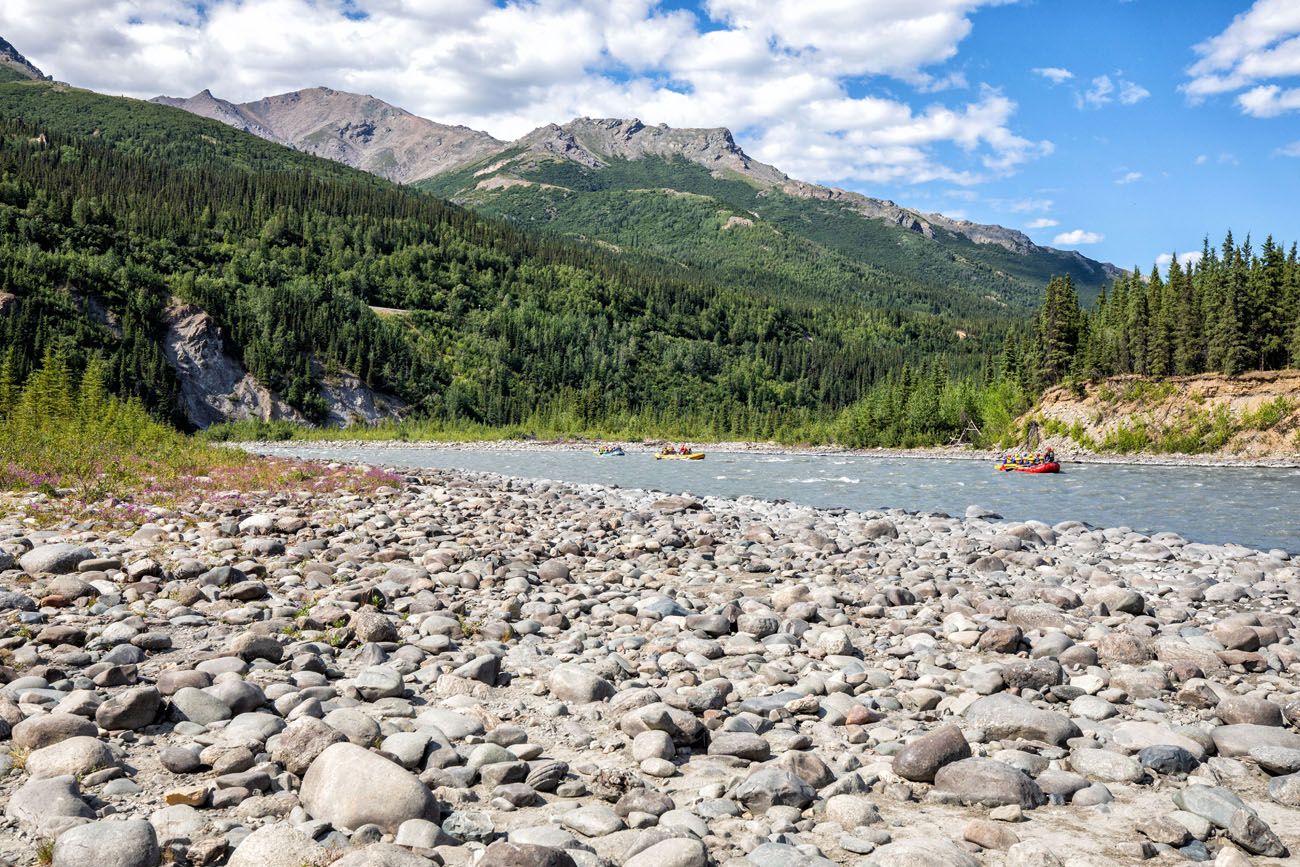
(851, 811)
(130, 709)
(278, 845)
(131, 843)
(75, 756)
(59, 558)
(1214, 803)
(379, 681)
(348, 787)
(743, 745)
(989, 835)
(1107, 766)
(1168, 759)
(921, 758)
(1254, 835)
(194, 705)
(920, 853)
(383, 855)
(1285, 790)
(676, 852)
(506, 854)
(38, 732)
(1240, 739)
(592, 821)
(47, 807)
(769, 787)
(579, 685)
(988, 783)
(1003, 716)
(1249, 710)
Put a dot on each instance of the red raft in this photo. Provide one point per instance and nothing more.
(1048, 467)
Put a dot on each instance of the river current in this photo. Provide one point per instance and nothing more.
(1254, 507)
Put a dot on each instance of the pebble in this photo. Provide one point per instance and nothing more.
(472, 670)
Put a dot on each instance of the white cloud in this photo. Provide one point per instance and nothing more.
(1054, 74)
(1077, 237)
(1202, 159)
(1128, 178)
(1261, 44)
(775, 71)
(1105, 90)
(1042, 223)
(1291, 150)
(1269, 100)
(1132, 94)
(1186, 260)
(1022, 206)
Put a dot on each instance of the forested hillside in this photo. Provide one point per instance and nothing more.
(110, 209)
(738, 231)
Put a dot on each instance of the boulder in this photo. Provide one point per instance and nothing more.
(920, 759)
(988, 783)
(348, 787)
(107, 844)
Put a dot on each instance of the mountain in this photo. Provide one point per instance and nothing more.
(221, 275)
(13, 66)
(359, 131)
(620, 182)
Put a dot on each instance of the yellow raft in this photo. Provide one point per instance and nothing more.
(693, 456)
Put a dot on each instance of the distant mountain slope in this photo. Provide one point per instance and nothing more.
(219, 275)
(621, 182)
(541, 178)
(14, 66)
(359, 131)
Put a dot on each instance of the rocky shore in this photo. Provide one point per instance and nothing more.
(473, 670)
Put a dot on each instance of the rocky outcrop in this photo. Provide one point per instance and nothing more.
(215, 387)
(360, 131)
(1259, 412)
(8, 303)
(204, 104)
(12, 59)
(350, 401)
(594, 142)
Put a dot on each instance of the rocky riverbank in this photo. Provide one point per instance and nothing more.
(471, 670)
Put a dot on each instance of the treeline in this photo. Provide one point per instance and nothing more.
(1235, 309)
(100, 234)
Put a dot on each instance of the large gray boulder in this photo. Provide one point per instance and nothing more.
(576, 684)
(278, 845)
(47, 807)
(108, 844)
(923, 757)
(72, 757)
(986, 782)
(59, 558)
(298, 745)
(349, 786)
(1003, 716)
(772, 786)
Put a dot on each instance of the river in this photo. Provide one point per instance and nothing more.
(1254, 507)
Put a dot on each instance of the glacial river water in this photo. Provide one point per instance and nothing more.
(1255, 507)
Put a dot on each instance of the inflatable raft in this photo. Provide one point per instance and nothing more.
(692, 456)
(1048, 467)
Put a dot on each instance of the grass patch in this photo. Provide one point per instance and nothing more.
(108, 462)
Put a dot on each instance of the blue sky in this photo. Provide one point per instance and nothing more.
(1122, 128)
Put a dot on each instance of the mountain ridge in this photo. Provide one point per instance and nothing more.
(354, 129)
(12, 60)
(338, 120)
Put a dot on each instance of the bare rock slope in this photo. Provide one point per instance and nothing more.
(12, 59)
(356, 130)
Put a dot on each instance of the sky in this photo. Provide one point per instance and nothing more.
(1126, 129)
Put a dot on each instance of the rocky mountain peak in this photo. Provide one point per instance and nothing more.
(355, 129)
(12, 58)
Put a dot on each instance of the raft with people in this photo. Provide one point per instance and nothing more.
(681, 453)
(1030, 462)
(610, 452)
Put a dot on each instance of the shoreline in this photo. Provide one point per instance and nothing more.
(1066, 456)
(610, 636)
